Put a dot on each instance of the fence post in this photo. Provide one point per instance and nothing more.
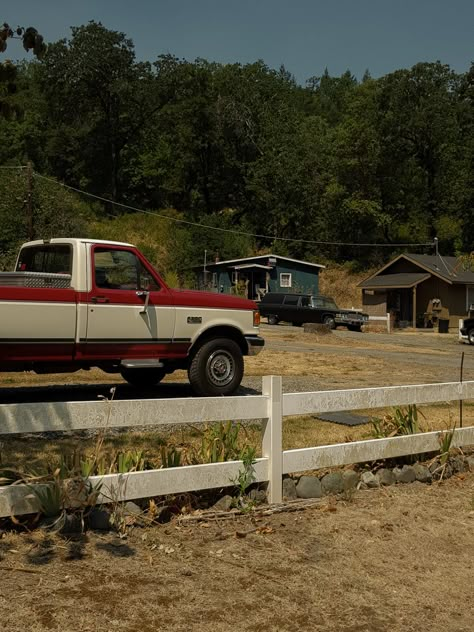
(272, 431)
(460, 326)
(388, 322)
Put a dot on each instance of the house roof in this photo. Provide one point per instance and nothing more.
(448, 269)
(268, 256)
(402, 280)
(246, 266)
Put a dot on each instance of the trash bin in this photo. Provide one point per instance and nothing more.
(443, 325)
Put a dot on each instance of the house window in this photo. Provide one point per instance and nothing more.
(285, 279)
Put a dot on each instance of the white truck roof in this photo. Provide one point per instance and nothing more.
(74, 241)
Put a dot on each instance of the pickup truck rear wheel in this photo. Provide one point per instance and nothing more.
(216, 368)
(143, 377)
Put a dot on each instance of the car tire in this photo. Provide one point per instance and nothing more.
(354, 328)
(297, 324)
(216, 368)
(329, 322)
(143, 378)
(272, 320)
(470, 336)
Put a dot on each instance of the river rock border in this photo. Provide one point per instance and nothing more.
(348, 481)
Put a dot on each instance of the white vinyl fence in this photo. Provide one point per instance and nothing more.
(271, 407)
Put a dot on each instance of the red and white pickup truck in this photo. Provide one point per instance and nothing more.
(78, 303)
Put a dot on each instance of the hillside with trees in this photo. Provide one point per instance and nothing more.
(239, 148)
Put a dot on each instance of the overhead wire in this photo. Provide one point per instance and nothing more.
(229, 230)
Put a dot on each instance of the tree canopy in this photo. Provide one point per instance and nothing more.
(244, 147)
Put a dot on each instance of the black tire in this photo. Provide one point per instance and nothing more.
(143, 378)
(329, 322)
(297, 324)
(216, 368)
(272, 320)
(470, 336)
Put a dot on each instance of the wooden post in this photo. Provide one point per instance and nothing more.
(271, 442)
(29, 201)
(414, 307)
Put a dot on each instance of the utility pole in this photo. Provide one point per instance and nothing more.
(29, 200)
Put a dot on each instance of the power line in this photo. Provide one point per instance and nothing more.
(11, 167)
(229, 230)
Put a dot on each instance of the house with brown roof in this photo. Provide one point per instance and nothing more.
(418, 290)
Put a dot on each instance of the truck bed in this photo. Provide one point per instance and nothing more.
(35, 279)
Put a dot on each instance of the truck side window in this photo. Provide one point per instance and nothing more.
(304, 301)
(121, 270)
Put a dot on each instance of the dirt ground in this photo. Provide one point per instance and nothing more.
(396, 559)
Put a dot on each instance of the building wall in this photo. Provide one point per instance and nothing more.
(374, 304)
(453, 297)
(304, 280)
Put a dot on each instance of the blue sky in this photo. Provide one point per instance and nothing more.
(305, 35)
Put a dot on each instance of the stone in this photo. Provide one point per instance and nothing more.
(309, 487)
(470, 463)
(132, 509)
(406, 474)
(422, 473)
(289, 489)
(458, 464)
(259, 495)
(332, 483)
(99, 519)
(368, 479)
(316, 328)
(386, 477)
(223, 504)
(350, 480)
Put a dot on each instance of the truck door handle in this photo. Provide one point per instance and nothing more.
(146, 295)
(99, 299)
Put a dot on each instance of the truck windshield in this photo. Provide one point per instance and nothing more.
(321, 302)
(55, 259)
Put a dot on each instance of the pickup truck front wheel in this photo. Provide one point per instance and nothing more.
(216, 368)
(143, 377)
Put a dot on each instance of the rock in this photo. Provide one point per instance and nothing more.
(422, 473)
(332, 483)
(316, 328)
(260, 495)
(406, 474)
(458, 464)
(369, 480)
(289, 489)
(223, 504)
(434, 467)
(470, 463)
(309, 487)
(350, 480)
(99, 519)
(132, 509)
(386, 477)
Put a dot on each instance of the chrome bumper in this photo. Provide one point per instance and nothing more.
(255, 344)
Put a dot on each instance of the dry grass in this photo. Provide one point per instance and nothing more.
(341, 284)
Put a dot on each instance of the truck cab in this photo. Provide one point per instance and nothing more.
(77, 303)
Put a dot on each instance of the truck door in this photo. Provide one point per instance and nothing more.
(129, 314)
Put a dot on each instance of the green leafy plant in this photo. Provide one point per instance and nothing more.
(220, 442)
(445, 440)
(403, 421)
(170, 456)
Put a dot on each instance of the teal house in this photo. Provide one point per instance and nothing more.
(255, 276)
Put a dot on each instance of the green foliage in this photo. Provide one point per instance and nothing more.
(403, 421)
(246, 475)
(235, 147)
(220, 442)
(170, 456)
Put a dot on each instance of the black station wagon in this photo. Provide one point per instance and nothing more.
(304, 308)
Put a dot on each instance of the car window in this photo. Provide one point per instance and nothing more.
(304, 301)
(121, 270)
(291, 300)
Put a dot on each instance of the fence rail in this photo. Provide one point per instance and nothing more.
(270, 407)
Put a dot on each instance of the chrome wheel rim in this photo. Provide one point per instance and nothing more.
(220, 367)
